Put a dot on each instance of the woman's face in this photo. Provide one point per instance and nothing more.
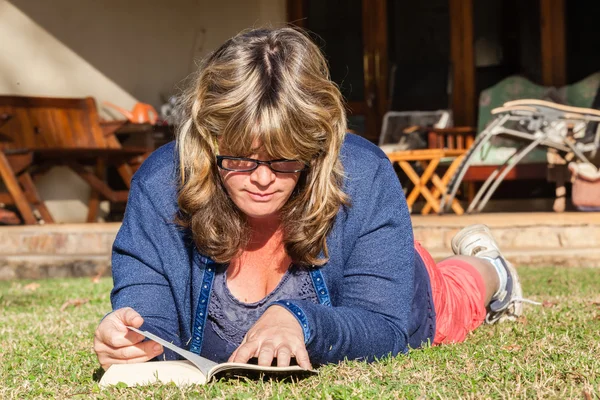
(260, 193)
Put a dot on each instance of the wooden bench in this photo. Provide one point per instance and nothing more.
(38, 133)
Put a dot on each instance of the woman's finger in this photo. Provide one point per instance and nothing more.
(130, 317)
(302, 357)
(113, 329)
(144, 349)
(232, 356)
(284, 355)
(266, 353)
(107, 361)
(115, 338)
(147, 348)
(245, 352)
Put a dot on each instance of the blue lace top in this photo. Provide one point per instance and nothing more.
(229, 318)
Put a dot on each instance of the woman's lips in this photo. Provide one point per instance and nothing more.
(261, 196)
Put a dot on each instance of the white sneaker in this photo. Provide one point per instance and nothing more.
(477, 241)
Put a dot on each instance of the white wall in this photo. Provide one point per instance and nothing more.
(123, 51)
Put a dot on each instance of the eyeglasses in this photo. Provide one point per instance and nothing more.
(242, 164)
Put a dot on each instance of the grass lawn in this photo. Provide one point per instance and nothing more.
(46, 330)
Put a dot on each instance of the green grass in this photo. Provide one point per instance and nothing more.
(551, 352)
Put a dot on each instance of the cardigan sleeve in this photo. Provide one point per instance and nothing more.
(147, 243)
(371, 316)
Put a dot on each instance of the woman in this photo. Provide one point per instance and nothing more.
(269, 232)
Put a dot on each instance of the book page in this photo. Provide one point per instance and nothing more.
(182, 373)
(203, 364)
(211, 369)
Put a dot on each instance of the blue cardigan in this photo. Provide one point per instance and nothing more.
(374, 292)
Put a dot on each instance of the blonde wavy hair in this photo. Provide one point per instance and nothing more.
(272, 87)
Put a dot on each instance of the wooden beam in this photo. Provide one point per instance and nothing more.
(296, 12)
(463, 62)
(375, 64)
(6, 198)
(370, 84)
(553, 47)
(20, 161)
(34, 198)
(379, 24)
(114, 196)
(13, 187)
(375, 60)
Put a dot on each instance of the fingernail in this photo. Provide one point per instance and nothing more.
(157, 348)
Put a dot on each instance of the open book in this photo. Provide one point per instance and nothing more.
(193, 370)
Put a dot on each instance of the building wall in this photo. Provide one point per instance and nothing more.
(115, 50)
(122, 51)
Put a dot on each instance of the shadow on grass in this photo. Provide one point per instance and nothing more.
(98, 373)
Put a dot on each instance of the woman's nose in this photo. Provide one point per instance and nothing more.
(263, 175)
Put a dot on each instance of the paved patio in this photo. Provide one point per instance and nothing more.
(60, 250)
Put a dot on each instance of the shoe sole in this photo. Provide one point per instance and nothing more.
(458, 238)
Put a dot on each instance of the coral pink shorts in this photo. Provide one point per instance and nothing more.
(458, 297)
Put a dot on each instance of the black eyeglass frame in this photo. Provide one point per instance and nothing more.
(257, 163)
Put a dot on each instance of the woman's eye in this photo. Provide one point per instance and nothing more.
(238, 164)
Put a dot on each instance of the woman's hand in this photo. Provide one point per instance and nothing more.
(276, 334)
(115, 344)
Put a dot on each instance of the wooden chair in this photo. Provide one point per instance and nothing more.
(429, 184)
(40, 133)
(406, 129)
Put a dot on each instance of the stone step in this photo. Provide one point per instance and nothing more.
(56, 250)
(57, 240)
(515, 232)
(59, 250)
